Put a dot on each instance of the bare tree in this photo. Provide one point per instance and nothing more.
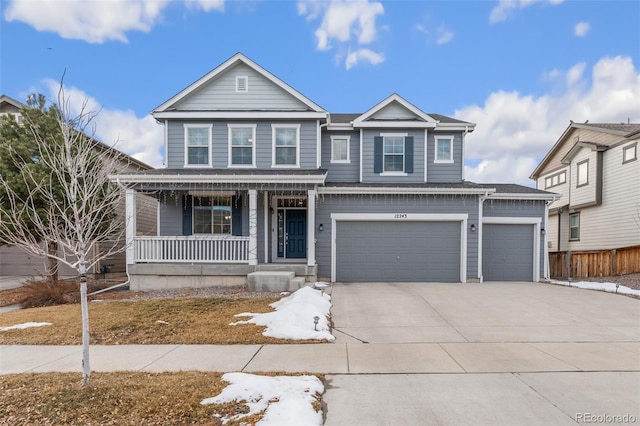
(80, 204)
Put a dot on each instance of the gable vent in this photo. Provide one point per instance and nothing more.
(242, 84)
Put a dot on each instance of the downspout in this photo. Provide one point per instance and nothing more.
(481, 201)
(464, 135)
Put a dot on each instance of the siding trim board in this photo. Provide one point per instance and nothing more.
(401, 217)
(536, 222)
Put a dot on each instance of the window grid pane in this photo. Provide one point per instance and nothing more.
(286, 155)
(393, 154)
(443, 150)
(198, 136)
(285, 136)
(198, 155)
(339, 150)
(212, 215)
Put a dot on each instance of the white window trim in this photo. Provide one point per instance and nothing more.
(338, 137)
(209, 127)
(579, 175)
(630, 148)
(575, 214)
(404, 150)
(273, 145)
(435, 149)
(253, 127)
(246, 83)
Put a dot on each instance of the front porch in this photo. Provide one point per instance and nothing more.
(212, 234)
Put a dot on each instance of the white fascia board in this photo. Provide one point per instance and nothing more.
(287, 115)
(341, 127)
(402, 190)
(394, 124)
(456, 126)
(275, 178)
(507, 196)
(511, 220)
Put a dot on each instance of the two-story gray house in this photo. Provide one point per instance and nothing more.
(260, 178)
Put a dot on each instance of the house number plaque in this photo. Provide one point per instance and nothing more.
(400, 216)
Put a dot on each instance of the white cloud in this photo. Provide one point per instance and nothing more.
(444, 35)
(96, 21)
(515, 131)
(502, 11)
(344, 21)
(581, 29)
(353, 58)
(206, 5)
(142, 138)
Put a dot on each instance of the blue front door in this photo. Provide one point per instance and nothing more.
(296, 234)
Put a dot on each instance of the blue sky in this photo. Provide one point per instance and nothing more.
(519, 69)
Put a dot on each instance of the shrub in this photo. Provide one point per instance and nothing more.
(45, 292)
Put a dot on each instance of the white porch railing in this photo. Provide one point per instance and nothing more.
(199, 248)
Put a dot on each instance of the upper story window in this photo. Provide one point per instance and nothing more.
(583, 173)
(212, 215)
(340, 149)
(393, 154)
(630, 153)
(242, 145)
(556, 179)
(444, 149)
(286, 145)
(197, 141)
(574, 226)
(242, 84)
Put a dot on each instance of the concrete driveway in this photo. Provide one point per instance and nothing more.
(484, 354)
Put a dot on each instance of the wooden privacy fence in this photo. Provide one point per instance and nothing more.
(566, 264)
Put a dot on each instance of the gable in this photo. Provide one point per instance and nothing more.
(217, 93)
(260, 94)
(394, 111)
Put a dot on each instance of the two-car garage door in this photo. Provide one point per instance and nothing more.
(415, 251)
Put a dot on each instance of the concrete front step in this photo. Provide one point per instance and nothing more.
(275, 281)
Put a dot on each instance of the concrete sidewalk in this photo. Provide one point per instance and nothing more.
(332, 358)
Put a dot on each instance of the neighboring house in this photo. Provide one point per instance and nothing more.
(14, 261)
(595, 167)
(260, 178)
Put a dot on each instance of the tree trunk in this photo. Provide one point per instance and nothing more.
(86, 369)
(52, 264)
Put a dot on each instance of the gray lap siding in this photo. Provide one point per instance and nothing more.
(364, 204)
(220, 142)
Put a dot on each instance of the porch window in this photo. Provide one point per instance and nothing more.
(242, 145)
(574, 226)
(286, 142)
(212, 215)
(444, 149)
(197, 145)
(393, 154)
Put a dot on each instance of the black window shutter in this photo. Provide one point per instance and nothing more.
(377, 154)
(236, 215)
(187, 215)
(408, 154)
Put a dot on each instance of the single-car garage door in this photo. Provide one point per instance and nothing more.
(411, 251)
(507, 252)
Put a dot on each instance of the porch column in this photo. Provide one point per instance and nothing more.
(311, 227)
(130, 224)
(253, 227)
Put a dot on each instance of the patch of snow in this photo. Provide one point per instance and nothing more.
(294, 317)
(608, 287)
(25, 325)
(287, 399)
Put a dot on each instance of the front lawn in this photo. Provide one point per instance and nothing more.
(130, 398)
(158, 321)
